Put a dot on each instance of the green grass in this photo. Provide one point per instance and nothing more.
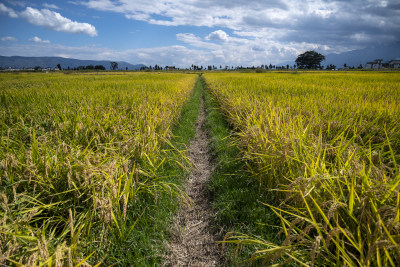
(235, 194)
(185, 129)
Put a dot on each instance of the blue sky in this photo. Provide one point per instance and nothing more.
(201, 32)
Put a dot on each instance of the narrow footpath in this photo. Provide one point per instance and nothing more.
(194, 243)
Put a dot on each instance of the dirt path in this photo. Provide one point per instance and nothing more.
(193, 243)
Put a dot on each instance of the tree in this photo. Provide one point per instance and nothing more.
(113, 65)
(59, 66)
(309, 60)
(330, 67)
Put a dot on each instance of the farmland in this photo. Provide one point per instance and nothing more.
(305, 165)
(326, 149)
(80, 158)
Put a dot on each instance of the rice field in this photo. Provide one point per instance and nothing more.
(82, 155)
(78, 156)
(326, 146)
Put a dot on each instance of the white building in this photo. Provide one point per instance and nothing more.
(394, 63)
(377, 64)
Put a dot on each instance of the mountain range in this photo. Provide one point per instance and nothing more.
(51, 62)
(360, 56)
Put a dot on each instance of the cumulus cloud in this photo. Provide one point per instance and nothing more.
(9, 11)
(224, 13)
(39, 40)
(246, 51)
(250, 49)
(218, 35)
(8, 38)
(50, 19)
(335, 23)
(55, 21)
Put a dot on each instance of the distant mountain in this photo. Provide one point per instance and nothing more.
(362, 56)
(51, 62)
(357, 57)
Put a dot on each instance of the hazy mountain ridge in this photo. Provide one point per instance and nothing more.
(357, 57)
(51, 62)
(362, 56)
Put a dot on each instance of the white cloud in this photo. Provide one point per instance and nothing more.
(250, 49)
(9, 11)
(55, 21)
(331, 23)
(39, 40)
(196, 50)
(8, 38)
(50, 19)
(218, 35)
(181, 12)
(193, 40)
(50, 6)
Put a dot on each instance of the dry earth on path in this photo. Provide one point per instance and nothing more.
(193, 242)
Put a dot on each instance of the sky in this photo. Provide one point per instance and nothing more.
(199, 32)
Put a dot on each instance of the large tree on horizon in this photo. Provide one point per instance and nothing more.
(113, 65)
(309, 60)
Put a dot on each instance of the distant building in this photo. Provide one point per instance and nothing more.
(29, 69)
(394, 63)
(377, 64)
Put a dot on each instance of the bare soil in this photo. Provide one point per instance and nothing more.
(194, 242)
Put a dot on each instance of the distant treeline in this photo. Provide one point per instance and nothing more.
(88, 67)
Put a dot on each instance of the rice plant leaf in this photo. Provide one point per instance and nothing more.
(85, 259)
